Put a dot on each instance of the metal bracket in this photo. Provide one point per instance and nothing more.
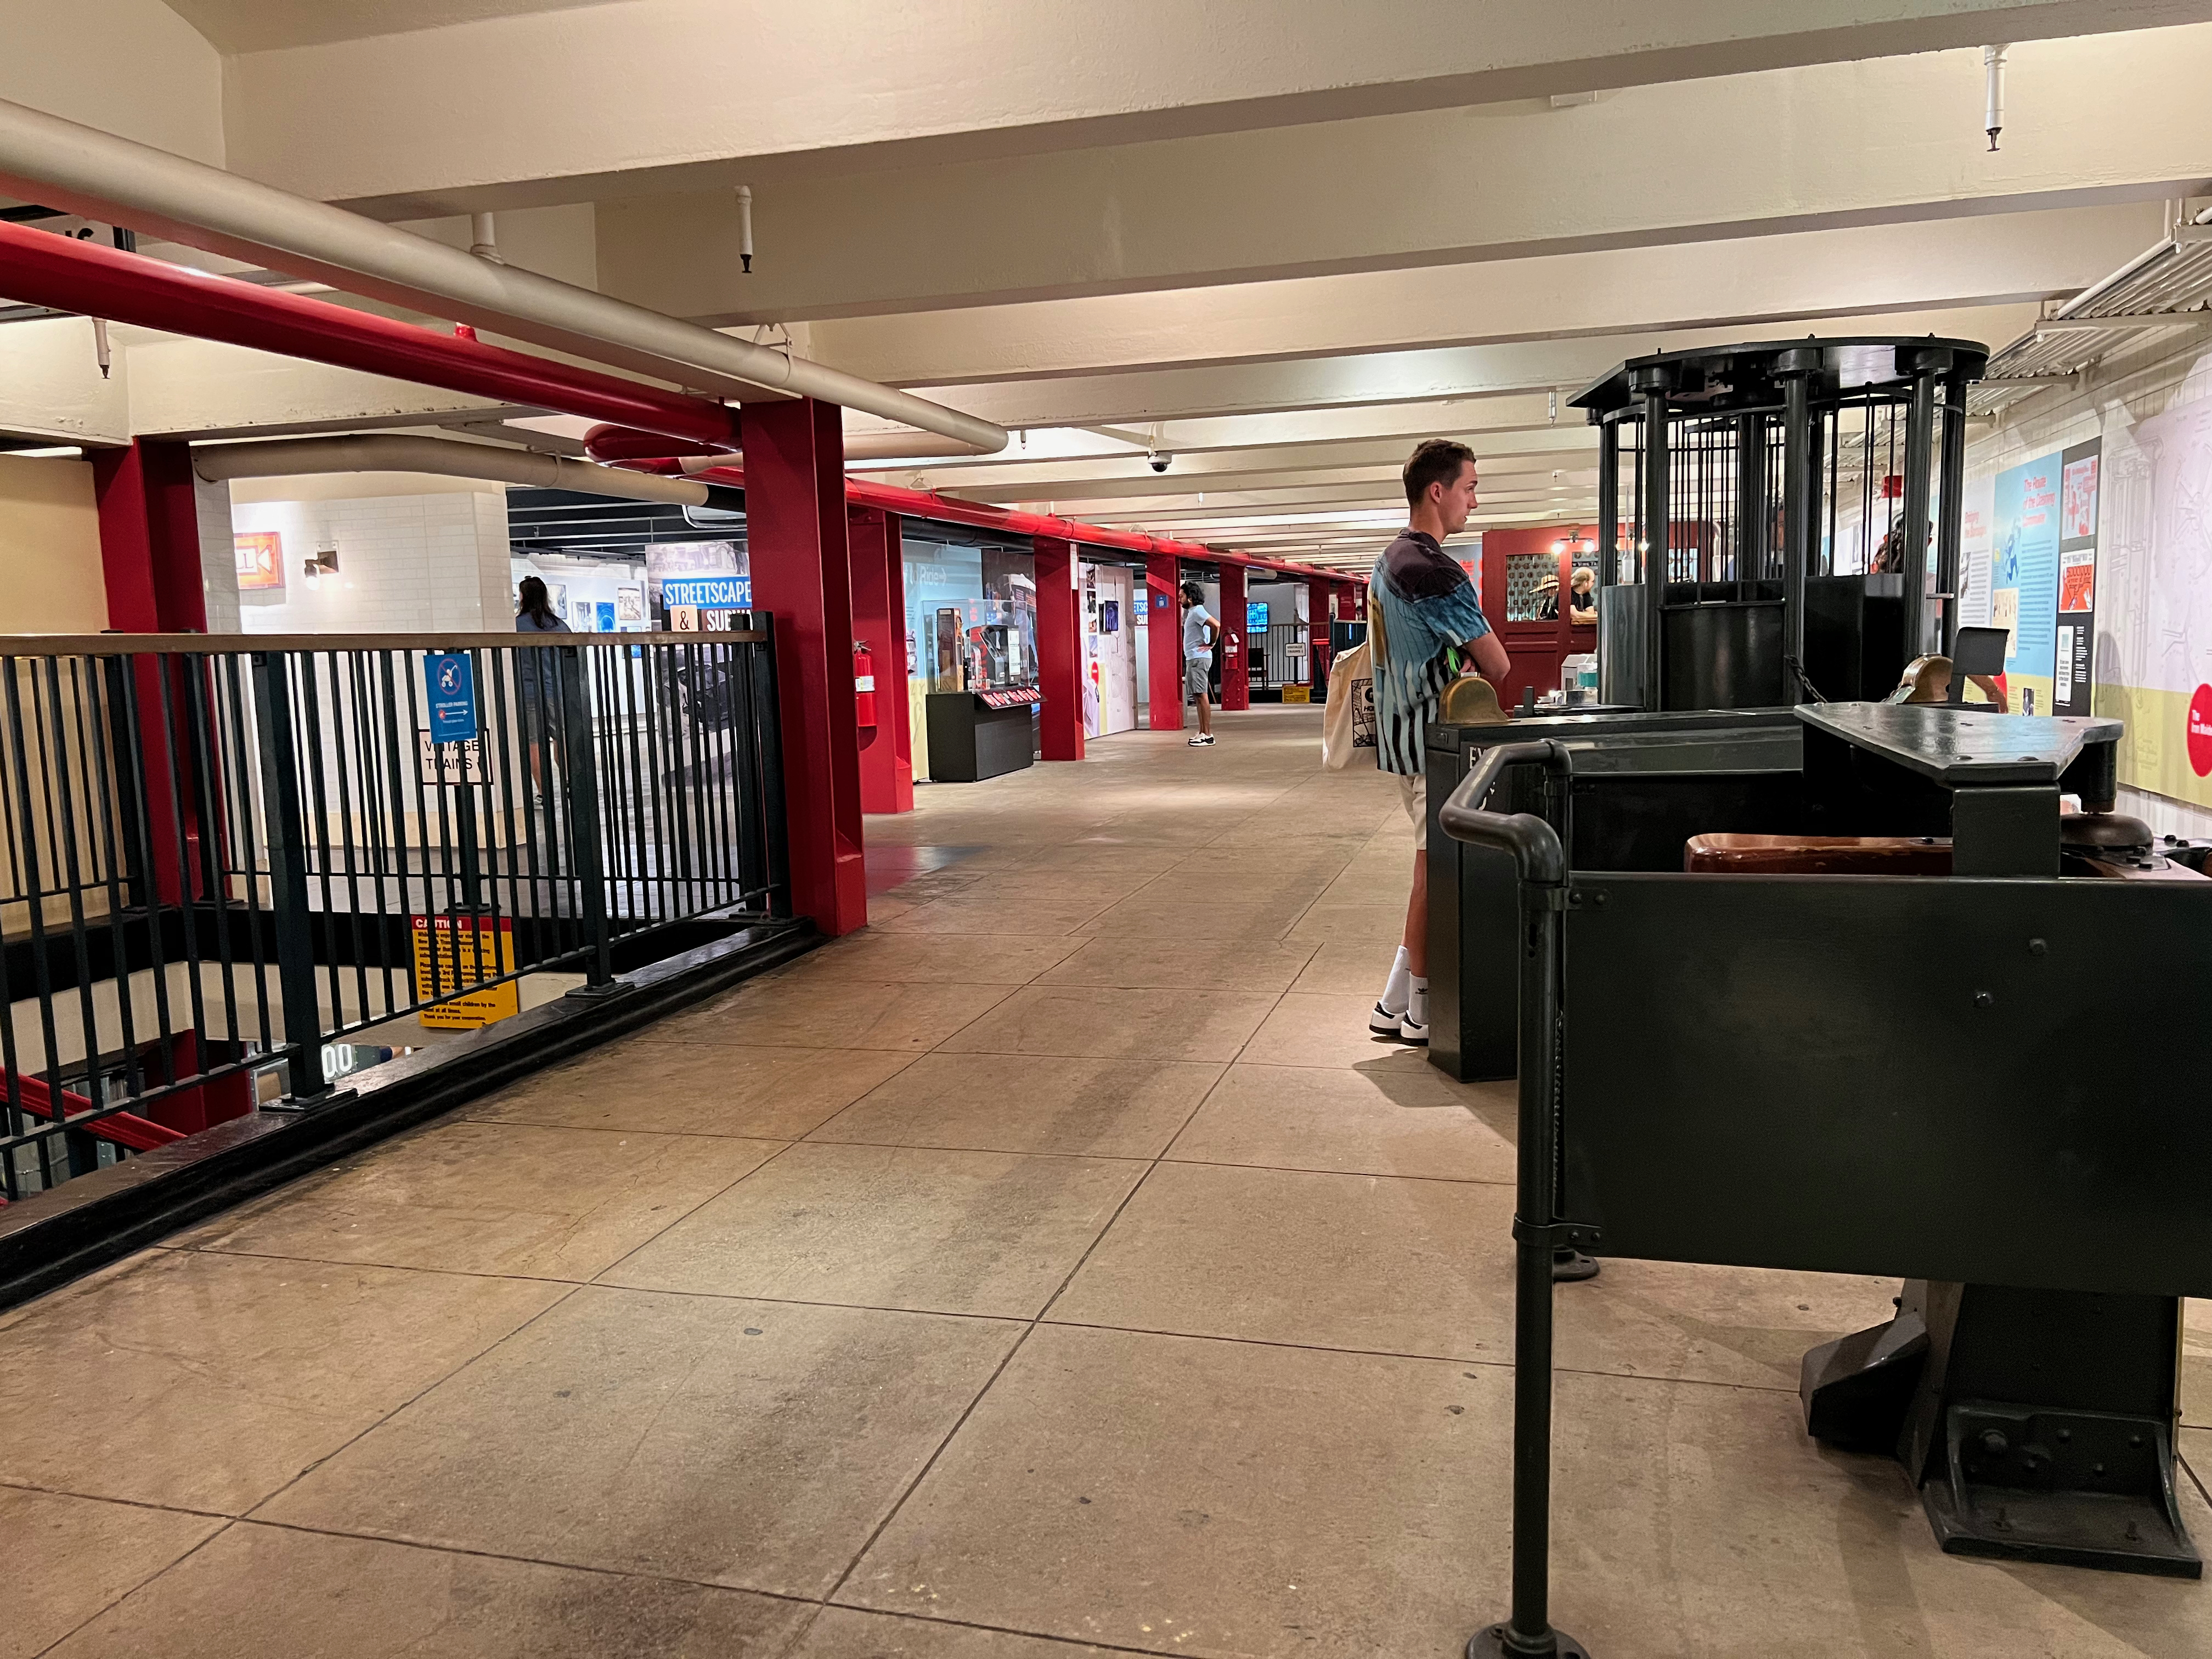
(1547, 898)
(1558, 1235)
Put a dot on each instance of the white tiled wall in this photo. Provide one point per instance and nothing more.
(407, 564)
(218, 562)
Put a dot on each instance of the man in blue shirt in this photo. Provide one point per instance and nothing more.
(1427, 629)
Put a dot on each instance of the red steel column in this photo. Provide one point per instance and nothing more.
(1060, 650)
(802, 576)
(1163, 641)
(150, 560)
(880, 618)
(1235, 675)
(150, 537)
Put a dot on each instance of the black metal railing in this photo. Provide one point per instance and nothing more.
(229, 860)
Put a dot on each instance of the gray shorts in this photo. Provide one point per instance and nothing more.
(1197, 674)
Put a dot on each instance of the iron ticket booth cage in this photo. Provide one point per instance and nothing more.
(1767, 514)
(1876, 1023)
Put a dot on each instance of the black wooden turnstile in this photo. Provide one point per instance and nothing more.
(1942, 1080)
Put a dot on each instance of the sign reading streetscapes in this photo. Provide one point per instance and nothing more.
(449, 677)
(707, 592)
(451, 952)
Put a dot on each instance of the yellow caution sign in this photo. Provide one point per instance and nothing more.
(454, 952)
(1297, 694)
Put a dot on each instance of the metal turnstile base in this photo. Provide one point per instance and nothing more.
(1490, 1643)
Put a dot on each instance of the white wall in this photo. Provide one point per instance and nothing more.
(130, 67)
(588, 582)
(2113, 399)
(407, 564)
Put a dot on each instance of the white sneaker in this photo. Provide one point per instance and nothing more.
(1203, 740)
(1383, 1022)
(1409, 1031)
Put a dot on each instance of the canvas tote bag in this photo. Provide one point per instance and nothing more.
(1348, 723)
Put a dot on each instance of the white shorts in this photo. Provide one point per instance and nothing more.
(1414, 796)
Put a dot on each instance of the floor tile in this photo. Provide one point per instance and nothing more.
(932, 958)
(1426, 1267)
(848, 1634)
(1185, 1024)
(1147, 963)
(751, 1444)
(893, 1227)
(1032, 1104)
(491, 1198)
(857, 1014)
(1308, 1028)
(1356, 967)
(1396, 1119)
(1372, 924)
(661, 1087)
(207, 1381)
(1343, 1261)
(1177, 1495)
(980, 911)
(1180, 1496)
(67, 1558)
(264, 1592)
(1177, 920)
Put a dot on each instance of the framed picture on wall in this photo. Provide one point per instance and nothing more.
(260, 558)
(630, 604)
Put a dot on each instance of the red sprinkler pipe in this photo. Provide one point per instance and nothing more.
(633, 450)
(41, 269)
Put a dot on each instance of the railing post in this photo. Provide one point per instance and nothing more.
(580, 772)
(287, 835)
(768, 750)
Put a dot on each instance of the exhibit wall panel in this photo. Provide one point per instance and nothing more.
(2126, 462)
(50, 548)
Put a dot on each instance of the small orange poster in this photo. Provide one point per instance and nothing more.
(260, 558)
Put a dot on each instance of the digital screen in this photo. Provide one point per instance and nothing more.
(1255, 617)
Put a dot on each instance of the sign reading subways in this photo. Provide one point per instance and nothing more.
(451, 952)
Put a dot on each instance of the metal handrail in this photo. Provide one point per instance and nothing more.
(1531, 842)
(1539, 1229)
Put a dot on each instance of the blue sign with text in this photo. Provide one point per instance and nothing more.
(708, 592)
(451, 680)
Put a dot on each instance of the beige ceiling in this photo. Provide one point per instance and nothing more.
(262, 25)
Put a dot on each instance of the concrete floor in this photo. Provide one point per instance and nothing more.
(1056, 1262)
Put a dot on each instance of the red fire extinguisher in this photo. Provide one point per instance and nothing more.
(863, 683)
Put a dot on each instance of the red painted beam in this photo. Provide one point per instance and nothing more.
(124, 1129)
(41, 269)
(1236, 661)
(880, 618)
(1164, 640)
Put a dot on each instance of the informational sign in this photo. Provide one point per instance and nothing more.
(450, 679)
(708, 592)
(260, 559)
(2074, 659)
(454, 952)
(683, 618)
(450, 762)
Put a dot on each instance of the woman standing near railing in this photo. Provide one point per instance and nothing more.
(538, 675)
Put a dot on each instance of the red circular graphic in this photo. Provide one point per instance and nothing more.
(2200, 731)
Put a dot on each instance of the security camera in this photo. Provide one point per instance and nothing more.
(1160, 463)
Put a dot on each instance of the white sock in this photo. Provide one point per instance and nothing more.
(1394, 988)
(1417, 999)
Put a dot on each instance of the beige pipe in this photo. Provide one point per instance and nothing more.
(45, 159)
(397, 453)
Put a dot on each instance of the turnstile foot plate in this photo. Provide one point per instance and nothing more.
(1491, 1642)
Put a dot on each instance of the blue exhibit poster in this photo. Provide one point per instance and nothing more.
(2024, 578)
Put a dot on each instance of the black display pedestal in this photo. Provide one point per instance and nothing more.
(971, 740)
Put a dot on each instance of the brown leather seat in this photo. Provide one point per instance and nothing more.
(1817, 855)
